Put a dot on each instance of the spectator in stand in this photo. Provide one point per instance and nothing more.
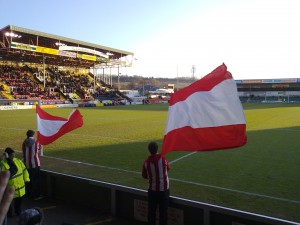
(155, 169)
(32, 150)
(17, 181)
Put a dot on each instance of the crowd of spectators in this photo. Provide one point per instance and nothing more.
(70, 83)
(22, 85)
(28, 83)
(81, 84)
(1, 89)
(106, 91)
(102, 93)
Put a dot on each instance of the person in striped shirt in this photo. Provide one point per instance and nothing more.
(32, 150)
(155, 169)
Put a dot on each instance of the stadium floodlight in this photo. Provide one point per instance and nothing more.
(60, 44)
(12, 34)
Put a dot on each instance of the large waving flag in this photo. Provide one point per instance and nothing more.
(51, 127)
(207, 115)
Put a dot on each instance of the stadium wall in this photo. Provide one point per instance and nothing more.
(126, 202)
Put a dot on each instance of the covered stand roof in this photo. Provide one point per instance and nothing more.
(25, 45)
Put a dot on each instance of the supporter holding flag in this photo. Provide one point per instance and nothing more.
(207, 115)
(50, 128)
(155, 170)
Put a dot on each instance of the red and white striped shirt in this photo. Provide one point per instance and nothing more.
(155, 169)
(31, 153)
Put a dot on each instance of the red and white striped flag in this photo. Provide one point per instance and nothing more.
(51, 127)
(207, 115)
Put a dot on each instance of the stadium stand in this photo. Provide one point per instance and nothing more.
(27, 83)
(269, 90)
(37, 65)
(23, 85)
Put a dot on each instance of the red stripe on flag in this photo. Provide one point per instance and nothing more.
(205, 84)
(46, 116)
(205, 139)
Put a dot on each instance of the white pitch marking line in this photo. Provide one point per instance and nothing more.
(176, 160)
(90, 164)
(237, 191)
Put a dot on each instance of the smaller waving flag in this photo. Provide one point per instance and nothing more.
(50, 128)
(207, 115)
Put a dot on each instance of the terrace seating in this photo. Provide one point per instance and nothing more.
(22, 84)
(107, 92)
(28, 83)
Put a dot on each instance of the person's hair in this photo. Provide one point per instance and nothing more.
(32, 216)
(152, 147)
(9, 150)
(30, 133)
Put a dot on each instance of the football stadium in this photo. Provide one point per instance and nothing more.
(98, 165)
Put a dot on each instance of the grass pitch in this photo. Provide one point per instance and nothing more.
(261, 177)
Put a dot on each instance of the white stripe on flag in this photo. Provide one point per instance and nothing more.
(49, 127)
(197, 111)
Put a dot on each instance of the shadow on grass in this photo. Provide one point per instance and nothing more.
(268, 165)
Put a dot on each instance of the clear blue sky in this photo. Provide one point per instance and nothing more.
(255, 39)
